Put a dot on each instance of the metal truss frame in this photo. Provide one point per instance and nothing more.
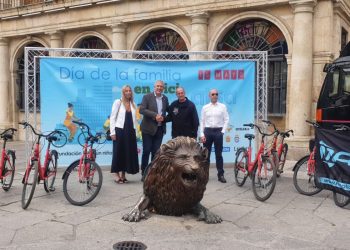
(32, 55)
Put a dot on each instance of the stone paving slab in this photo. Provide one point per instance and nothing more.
(287, 220)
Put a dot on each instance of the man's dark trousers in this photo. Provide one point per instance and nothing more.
(151, 144)
(214, 135)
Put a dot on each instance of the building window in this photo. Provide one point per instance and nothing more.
(344, 38)
(164, 40)
(262, 35)
(21, 82)
(92, 42)
(277, 78)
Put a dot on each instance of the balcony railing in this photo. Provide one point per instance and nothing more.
(10, 4)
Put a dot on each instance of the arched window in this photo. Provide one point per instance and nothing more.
(262, 35)
(20, 81)
(164, 40)
(92, 42)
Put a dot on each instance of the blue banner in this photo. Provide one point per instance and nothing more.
(92, 85)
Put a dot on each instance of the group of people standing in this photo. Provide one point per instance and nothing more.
(156, 112)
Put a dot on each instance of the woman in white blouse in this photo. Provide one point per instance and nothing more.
(123, 133)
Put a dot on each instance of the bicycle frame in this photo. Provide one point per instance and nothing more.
(258, 155)
(36, 157)
(4, 157)
(311, 162)
(88, 154)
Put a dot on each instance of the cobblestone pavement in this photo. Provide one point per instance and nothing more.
(287, 220)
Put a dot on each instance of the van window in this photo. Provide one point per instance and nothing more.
(347, 83)
(333, 90)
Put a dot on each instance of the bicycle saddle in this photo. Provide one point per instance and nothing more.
(249, 136)
(284, 134)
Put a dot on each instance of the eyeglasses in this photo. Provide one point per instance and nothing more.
(213, 94)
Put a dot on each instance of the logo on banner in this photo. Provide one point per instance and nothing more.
(330, 156)
(221, 74)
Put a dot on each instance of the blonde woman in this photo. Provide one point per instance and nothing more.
(123, 126)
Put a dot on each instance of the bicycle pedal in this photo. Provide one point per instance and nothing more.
(52, 189)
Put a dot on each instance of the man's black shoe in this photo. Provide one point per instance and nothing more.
(222, 179)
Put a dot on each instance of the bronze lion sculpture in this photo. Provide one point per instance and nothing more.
(175, 182)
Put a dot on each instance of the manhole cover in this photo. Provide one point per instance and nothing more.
(129, 245)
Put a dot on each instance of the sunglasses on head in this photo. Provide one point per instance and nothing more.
(214, 94)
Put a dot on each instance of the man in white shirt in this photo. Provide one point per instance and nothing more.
(213, 123)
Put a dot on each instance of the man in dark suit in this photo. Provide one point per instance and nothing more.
(153, 108)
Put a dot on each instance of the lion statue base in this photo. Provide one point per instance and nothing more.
(175, 182)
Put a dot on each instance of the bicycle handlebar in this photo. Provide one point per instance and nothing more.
(252, 125)
(91, 138)
(83, 125)
(26, 124)
(286, 134)
(13, 130)
(315, 124)
(270, 123)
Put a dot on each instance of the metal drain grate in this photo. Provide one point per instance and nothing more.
(129, 245)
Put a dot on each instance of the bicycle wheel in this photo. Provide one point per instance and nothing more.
(51, 170)
(30, 180)
(264, 179)
(9, 170)
(282, 159)
(81, 192)
(241, 167)
(340, 200)
(303, 181)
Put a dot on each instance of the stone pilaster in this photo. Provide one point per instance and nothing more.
(56, 39)
(302, 67)
(118, 37)
(4, 83)
(199, 32)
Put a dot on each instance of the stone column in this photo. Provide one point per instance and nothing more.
(301, 70)
(199, 33)
(118, 37)
(56, 39)
(4, 83)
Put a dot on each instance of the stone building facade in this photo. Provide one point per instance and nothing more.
(300, 36)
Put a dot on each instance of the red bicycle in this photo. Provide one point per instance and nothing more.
(7, 161)
(304, 173)
(279, 154)
(35, 171)
(262, 170)
(82, 180)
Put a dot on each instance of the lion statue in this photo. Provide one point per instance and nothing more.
(175, 182)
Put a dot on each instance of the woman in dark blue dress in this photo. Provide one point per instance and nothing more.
(123, 133)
